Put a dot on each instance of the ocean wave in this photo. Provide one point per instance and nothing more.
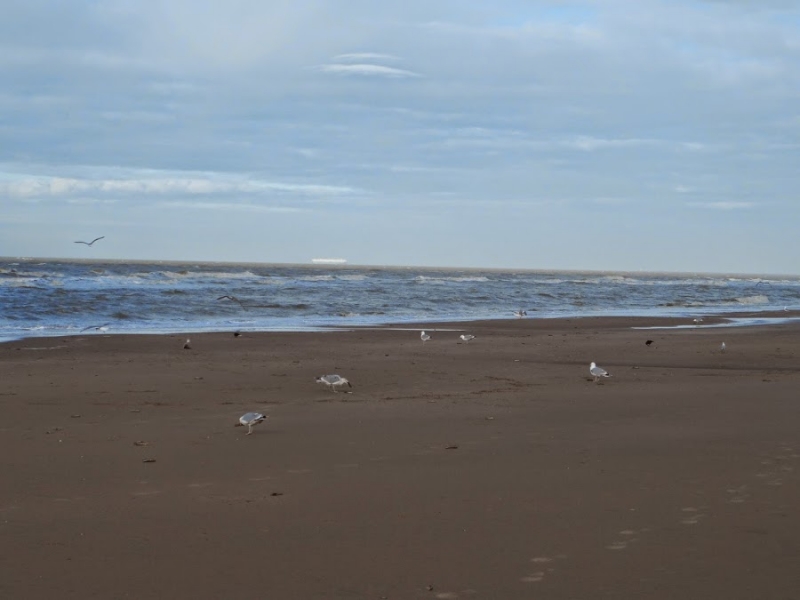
(22, 282)
(185, 274)
(750, 300)
(65, 297)
(351, 277)
(454, 279)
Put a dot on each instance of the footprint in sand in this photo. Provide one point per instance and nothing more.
(692, 515)
(537, 576)
(627, 540)
(617, 546)
(738, 495)
(693, 520)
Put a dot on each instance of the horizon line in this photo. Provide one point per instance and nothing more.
(348, 265)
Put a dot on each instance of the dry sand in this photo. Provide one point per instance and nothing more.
(489, 469)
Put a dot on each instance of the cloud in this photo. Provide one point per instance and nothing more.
(228, 206)
(723, 205)
(590, 144)
(362, 56)
(367, 70)
(145, 184)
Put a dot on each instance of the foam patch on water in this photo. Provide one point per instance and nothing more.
(730, 322)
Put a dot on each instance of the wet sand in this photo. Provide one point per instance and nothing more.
(490, 469)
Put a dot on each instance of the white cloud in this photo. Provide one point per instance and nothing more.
(590, 144)
(146, 184)
(724, 205)
(367, 70)
(229, 206)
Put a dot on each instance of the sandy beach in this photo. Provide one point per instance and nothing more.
(491, 469)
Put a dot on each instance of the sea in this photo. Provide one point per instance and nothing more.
(43, 297)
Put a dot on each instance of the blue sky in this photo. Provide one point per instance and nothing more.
(608, 135)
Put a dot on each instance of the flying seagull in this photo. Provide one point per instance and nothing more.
(103, 327)
(424, 337)
(92, 242)
(467, 337)
(234, 298)
(597, 372)
(334, 381)
(697, 321)
(250, 419)
(520, 313)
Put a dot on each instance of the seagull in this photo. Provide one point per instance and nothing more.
(188, 344)
(697, 320)
(424, 337)
(648, 342)
(520, 313)
(234, 298)
(333, 381)
(237, 333)
(92, 242)
(597, 372)
(722, 347)
(467, 337)
(103, 327)
(250, 419)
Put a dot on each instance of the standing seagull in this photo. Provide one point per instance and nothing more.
(424, 337)
(467, 337)
(250, 419)
(722, 347)
(333, 381)
(92, 242)
(597, 372)
(188, 344)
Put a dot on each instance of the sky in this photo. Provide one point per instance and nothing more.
(589, 135)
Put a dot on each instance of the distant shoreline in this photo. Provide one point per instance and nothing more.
(632, 322)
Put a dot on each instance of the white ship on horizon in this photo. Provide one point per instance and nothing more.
(329, 261)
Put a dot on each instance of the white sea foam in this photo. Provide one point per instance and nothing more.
(454, 279)
(751, 300)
